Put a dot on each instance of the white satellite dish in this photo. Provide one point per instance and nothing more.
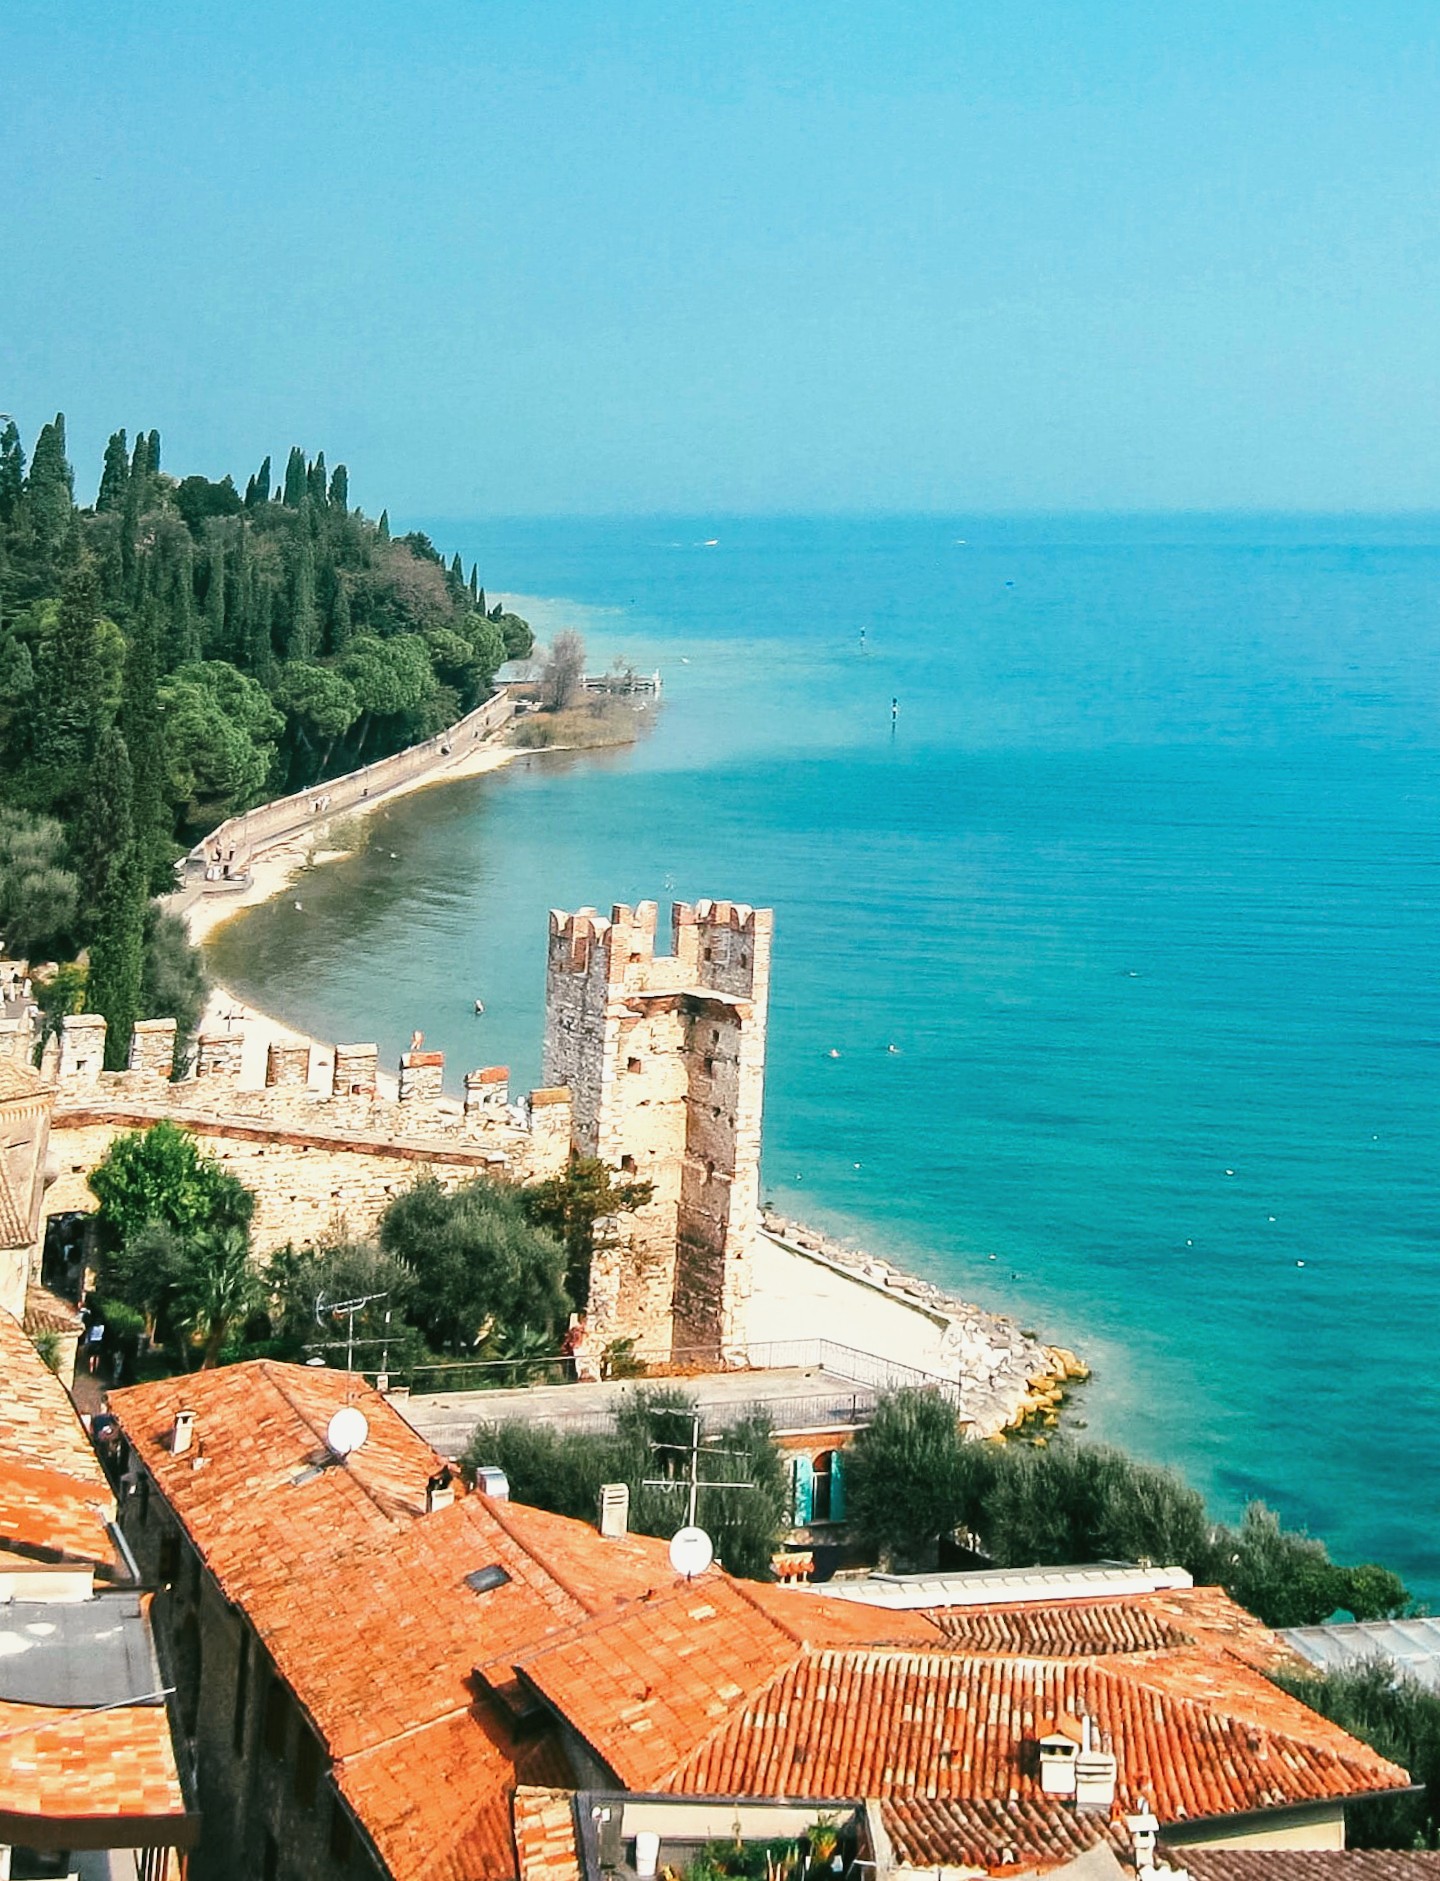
(346, 1431)
(691, 1551)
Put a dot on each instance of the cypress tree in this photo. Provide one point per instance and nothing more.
(382, 528)
(457, 570)
(144, 738)
(117, 953)
(301, 638)
(115, 477)
(140, 459)
(12, 471)
(105, 825)
(295, 478)
(260, 484)
(213, 642)
(474, 581)
(316, 484)
(480, 602)
(50, 488)
(340, 489)
(70, 706)
(154, 453)
(340, 622)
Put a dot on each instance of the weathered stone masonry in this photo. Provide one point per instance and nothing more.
(664, 1057)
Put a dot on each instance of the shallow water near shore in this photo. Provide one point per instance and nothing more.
(1140, 887)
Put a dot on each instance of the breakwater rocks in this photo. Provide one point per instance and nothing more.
(1005, 1379)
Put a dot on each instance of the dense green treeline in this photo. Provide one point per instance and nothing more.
(177, 652)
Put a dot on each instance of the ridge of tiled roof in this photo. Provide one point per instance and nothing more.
(49, 1312)
(930, 1832)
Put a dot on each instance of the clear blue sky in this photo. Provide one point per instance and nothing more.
(784, 254)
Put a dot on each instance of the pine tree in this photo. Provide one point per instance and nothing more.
(382, 528)
(115, 477)
(316, 484)
(295, 475)
(141, 727)
(50, 488)
(340, 489)
(12, 471)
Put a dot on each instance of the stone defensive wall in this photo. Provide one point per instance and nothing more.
(235, 843)
(323, 1150)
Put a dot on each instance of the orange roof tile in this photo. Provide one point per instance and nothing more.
(545, 1841)
(37, 1419)
(113, 1767)
(55, 1515)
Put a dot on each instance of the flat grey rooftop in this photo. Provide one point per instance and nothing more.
(796, 1398)
(76, 1655)
(1413, 1646)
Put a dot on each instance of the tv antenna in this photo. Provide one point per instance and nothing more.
(690, 1543)
(348, 1309)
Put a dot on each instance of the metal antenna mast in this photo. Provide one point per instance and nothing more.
(333, 1309)
(694, 1452)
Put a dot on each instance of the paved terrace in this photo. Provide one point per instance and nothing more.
(797, 1398)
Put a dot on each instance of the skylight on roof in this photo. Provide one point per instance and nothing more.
(483, 1579)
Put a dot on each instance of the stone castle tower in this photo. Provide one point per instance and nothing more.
(664, 1057)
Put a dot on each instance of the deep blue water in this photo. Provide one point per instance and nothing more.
(1142, 885)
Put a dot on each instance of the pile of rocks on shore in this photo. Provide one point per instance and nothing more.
(1006, 1377)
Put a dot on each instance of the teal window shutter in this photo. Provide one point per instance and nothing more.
(802, 1480)
(837, 1486)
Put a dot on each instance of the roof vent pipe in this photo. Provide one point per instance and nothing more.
(182, 1434)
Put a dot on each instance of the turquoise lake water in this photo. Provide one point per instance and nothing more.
(1142, 885)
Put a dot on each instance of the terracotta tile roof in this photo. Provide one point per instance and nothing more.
(14, 1220)
(545, 1841)
(436, 1803)
(926, 1832)
(48, 1312)
(53, 1514)
(1301, 1864)
(90, 1765)
(707, 1691)
(37, 1420)
(361, 1598)
(1069, 1629)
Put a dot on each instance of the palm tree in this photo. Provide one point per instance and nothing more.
(218, 1285)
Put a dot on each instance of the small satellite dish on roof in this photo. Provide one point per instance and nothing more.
(346, 1431)
(691, 1551)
